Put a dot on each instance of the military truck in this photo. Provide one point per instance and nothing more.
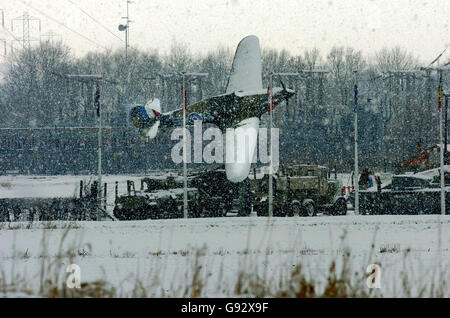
(299, 190)
(214, 185)
(153, 201)
(210, 194)
(406, 194)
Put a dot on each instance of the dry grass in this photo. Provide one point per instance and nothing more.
(342, 277)
(45, 225)
(394, 248)
(6, 185)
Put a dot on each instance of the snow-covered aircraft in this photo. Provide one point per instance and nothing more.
(242, 106)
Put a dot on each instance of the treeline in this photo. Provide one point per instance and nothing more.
(397, 107)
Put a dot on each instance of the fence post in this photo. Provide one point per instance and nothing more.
(94, 198)
(104, 196)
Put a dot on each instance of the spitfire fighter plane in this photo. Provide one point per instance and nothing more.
(242, 106)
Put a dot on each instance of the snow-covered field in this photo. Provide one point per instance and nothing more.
(18, 186)
(165, 253)
(169, 257)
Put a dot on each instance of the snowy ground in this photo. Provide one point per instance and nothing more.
(165, 253)
(12, 186)
(164, 250)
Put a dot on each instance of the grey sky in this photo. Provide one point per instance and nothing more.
(419, 26)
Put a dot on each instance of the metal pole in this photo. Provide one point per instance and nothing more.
(270, 143)
(184, 99)
(126, 35)
(270, 109)
(126, 65)
(98, 79)
(126, 28)
(446, 130)
(356, 146)
(442, 150)
(185, 201)
(126, 47)
(99, 162)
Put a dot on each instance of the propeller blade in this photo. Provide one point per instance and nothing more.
(285, 92)
(282, 84)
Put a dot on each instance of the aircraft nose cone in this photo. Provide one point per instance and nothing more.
(138, 116)
(288, 94)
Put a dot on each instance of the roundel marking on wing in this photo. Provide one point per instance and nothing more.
(194, 117)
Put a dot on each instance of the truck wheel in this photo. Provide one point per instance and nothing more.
(309, 209)
(295, 209)
(340, 207)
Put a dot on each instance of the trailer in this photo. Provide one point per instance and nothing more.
(210, 194)
(406, 194)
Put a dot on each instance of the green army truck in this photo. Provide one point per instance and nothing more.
(299, 190)
(210, 194)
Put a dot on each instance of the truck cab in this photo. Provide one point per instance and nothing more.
(300, 190)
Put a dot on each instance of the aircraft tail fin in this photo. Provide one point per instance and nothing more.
(146, 118)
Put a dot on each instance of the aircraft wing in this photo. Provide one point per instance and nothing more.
(240, 149)
(245, 78)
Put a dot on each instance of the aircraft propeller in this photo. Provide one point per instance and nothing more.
(285, 92)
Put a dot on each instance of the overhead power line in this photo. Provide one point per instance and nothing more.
(438, 57)
(63, 25)
(50, 35)
(95, 20)
(26, 37)
(10, 33)
(13, 36)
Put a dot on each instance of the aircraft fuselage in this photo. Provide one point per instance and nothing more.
(224, 111)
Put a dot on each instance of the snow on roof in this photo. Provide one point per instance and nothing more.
(417, 175)
(432, 172)
(448, 146)
(439, 146)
